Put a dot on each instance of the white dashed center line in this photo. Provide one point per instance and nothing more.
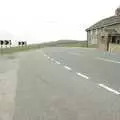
(78, 54)
(52, 59)
(57, 62)
(109, 89)
(68, 68)
(107, 60)
(86, 77)
(82, 75)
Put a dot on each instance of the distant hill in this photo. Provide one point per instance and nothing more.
(67, 41)
(62, 43)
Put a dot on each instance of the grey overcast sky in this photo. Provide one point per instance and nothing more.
(49, 20)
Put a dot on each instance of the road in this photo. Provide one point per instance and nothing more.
(60, 84)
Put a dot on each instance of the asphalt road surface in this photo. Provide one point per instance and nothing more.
(60, 84)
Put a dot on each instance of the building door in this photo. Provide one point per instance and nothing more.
(118, 41)
(113, 39)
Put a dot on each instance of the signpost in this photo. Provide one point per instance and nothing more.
(22, 43)
(5, 43)
(1, 45)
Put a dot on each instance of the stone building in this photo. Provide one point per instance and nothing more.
(106, 32)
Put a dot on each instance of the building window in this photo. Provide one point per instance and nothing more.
(113, 40)
(102, 40)
(118, 41)
(96, 31)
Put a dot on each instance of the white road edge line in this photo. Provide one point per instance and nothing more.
(109, 89)
(82, 75)
(57, 62)
(68, 68)
(108, 60)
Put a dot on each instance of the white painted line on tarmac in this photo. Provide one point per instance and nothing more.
(57, 62)
(68, 68)
(108, 60)
(52, 59)
(77, 54)
(109, 89)
(82, 75)
(48, 57)
(45, 55)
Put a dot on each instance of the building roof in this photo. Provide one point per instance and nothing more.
(105, 22)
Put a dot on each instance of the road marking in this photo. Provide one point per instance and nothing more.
(109, 89)
(52, 59)
(107, 60)
(68, 68)
(48, 57)
(82, 75)
(77, 54)
(45, 55)
(57, 62)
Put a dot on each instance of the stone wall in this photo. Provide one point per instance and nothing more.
(92, 37)
(114, 48)
(95, 36)
(89, 37)
(116, 27)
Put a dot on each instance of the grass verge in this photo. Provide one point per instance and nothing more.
(17, 49)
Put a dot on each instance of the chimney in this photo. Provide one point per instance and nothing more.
(117, 11)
